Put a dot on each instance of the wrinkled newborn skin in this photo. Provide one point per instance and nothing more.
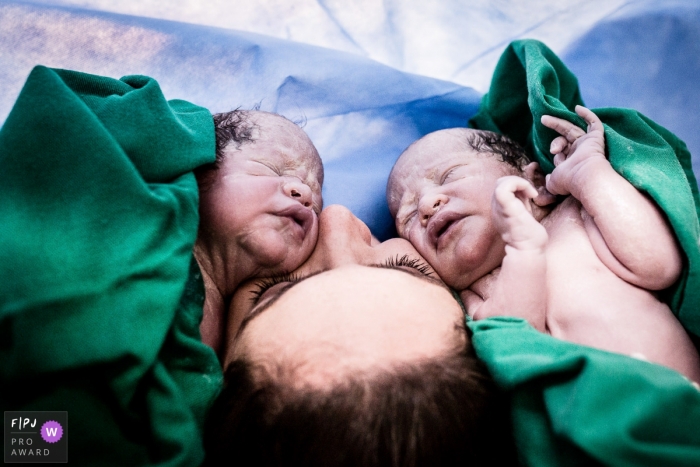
(265, 202)
(439, 194)
(259, 217)
(590, 274)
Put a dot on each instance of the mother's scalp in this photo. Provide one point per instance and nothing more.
(361, 357)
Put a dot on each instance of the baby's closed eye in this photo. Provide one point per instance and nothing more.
(403, 221)
(267, 168)
(446, 176)
(450, 174)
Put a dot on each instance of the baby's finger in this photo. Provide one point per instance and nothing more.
(544, 197)
(558, 145)
(508, 190)
(591, 119)
(526, 192)
(565, 128)
(552, 186)
(515, 185)
(558, 159)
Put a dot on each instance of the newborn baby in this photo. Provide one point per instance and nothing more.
(259, 206)
(585, 270)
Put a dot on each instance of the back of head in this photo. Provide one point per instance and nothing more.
(438, 412)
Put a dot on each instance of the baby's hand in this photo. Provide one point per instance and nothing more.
(512, 214)
(575, 152)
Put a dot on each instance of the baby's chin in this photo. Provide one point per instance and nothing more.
(457, 273)
(278, 245)
(281, 256)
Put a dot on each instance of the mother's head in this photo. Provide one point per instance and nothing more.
(361, 357)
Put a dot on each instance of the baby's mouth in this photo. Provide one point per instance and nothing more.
(302, 218)
(444, 228)
(440, 225)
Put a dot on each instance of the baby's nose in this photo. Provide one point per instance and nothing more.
(429, 205)
(295, 189)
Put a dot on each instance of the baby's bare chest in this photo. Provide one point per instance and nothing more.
(582, 291)
(569, 248)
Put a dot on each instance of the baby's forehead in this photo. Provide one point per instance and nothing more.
(273, 129)
(432, 153)
(437, 148)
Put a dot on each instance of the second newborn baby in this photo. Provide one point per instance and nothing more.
(585, 270)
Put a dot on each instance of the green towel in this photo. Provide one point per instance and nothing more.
(531, 81)
(574, 405)
(100, 299)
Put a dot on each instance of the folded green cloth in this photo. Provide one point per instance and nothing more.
(574, 405)
(100, 299)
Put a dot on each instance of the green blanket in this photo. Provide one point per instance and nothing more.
(100, 299)
(573, 405)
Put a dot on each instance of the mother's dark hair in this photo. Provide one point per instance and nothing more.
(444, 411)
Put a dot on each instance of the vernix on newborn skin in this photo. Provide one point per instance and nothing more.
(262, 207)
(585, 269)
(440, 193)
(259, 207)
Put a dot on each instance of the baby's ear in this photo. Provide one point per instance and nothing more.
(533, 173)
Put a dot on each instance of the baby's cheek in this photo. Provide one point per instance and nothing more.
(310, 240)
(317, 203)
(268, 248)
(419, 240)
(298, 254)
(295, 258)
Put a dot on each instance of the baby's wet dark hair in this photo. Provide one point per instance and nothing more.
(508, 150)
(234, 127)
(237, 128)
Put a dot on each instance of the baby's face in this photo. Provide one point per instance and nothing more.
(439, 194)
(264, 204)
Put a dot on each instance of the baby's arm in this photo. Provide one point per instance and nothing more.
(520, 288)
(627, 230)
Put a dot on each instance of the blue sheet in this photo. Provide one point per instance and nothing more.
(361, 114)
(646, 57)
(387, 74)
